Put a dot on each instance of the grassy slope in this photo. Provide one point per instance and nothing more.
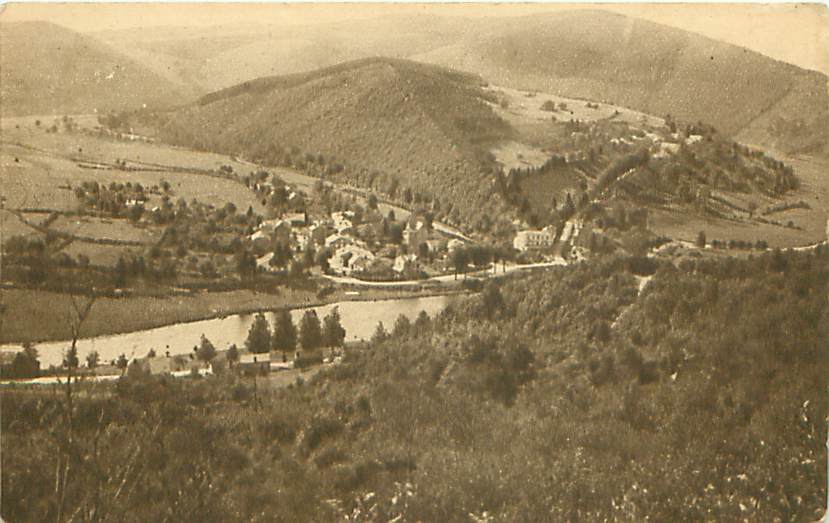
(47, 69)
(704, 401)
(419, 123)
(646, 66)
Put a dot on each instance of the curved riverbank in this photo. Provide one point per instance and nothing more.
(36, 316)
(358, 317)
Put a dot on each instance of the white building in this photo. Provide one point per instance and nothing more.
(338, 241)
(528, 240)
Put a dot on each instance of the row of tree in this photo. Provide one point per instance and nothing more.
(284, 337)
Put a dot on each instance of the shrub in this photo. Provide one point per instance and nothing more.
(318, 430)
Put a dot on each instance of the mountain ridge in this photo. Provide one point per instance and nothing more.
(48, 69)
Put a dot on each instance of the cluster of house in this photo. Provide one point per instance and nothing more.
(361, 246)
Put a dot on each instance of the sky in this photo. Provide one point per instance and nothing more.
(795, 33)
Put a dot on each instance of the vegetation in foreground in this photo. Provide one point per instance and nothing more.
(571, 396)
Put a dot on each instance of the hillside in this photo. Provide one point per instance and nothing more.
(47, 69)
(587, 393)
(382, 123)
(589, 54)
(646, 66)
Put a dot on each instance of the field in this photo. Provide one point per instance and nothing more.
(104, 229)
(525, 106)
(512, 155)
(98, 254)
(811, 223)
(11, 225)
(686, 226)
(39, 168)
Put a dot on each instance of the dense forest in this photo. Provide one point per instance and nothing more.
(616, 390)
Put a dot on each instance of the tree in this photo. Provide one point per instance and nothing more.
(92, 359)
(372, 201)
(120, 273)
(380, 334)
(297, 269)
(232, 354)
(122, 362)
(396, 233)
(333, 333)
(284, 332)
(259, 335)
(309, 255)
(752, 206)
(206, 350)
(281, 256)
(25, 363)
(246, 264)
(310, 331)
(701, 240)
(422, 322)
(70, 359)
(401, 326)
(460, 259)
(322, 259)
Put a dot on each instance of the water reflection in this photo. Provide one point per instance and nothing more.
(358, 317)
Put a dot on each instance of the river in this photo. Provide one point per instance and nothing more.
(359, 318)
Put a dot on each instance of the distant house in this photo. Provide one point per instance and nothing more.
(264, 261)
(350, 259)
(436, 244)
(271, 233)
(296, 219)
(666, 149)
(338, 241)
(534, 239)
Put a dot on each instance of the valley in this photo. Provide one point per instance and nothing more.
(431, 263)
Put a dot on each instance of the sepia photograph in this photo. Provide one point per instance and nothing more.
(414, 263)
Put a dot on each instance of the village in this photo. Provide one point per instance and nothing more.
(346, 238)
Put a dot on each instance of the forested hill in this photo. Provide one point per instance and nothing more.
(574, 395)
(383, 123)
(653, 68)
(48, 69)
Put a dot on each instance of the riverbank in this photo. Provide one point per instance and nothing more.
(40, 316)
